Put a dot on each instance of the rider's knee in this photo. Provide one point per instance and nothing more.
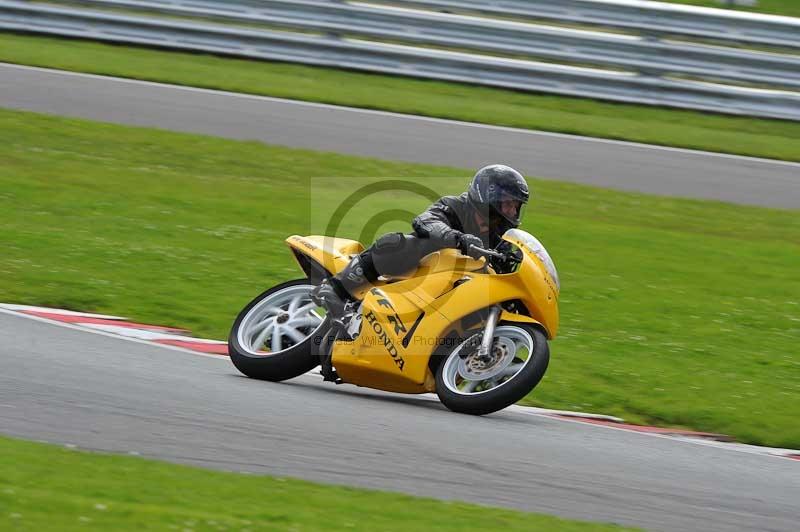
(390, 242)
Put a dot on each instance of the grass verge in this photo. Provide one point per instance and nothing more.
(86, 491)
(688, 129)
(674, 311)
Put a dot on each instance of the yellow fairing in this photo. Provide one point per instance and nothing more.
(396, 340)
(331, 253)
(381, 355)
(481, 290)
(401, 328)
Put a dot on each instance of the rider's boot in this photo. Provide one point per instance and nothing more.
(334, 294)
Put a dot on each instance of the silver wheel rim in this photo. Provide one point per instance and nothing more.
(467, 377)
(280, 321)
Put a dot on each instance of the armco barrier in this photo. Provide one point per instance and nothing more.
(623, 67)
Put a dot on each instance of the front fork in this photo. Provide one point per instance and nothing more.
(488, 333)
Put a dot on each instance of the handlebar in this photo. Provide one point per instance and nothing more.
(487, 252)
(495, 254)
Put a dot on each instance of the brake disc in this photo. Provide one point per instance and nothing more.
(472, 368)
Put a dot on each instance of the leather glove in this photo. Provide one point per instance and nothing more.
(465, 241)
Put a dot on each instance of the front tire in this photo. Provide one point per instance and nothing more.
(273, 336)
(521, 356)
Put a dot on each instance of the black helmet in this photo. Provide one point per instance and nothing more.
(492, 186)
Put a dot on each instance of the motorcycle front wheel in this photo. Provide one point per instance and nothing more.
(273, 337)
(470, 384)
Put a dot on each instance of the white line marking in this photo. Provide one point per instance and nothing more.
(83, 328)
(746, 448)
(550, 412)
(443, 121)
(62, 312)
(144, 334)
(730, 446)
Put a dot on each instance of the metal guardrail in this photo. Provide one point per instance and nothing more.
(558, 44)
(335, 22)
(655, 18)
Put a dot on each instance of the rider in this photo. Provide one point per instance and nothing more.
(477, 218)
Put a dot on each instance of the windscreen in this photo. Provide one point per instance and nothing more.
(537, 248)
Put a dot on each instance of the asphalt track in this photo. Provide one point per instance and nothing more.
(620, 165)
(69, 386)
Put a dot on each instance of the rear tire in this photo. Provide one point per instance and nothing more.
(287, 363)
(505, 394)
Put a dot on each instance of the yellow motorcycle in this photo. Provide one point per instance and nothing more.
(474, 331)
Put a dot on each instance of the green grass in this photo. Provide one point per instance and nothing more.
(747, 136)
(789, 8)
(674, 311)
(44, 487)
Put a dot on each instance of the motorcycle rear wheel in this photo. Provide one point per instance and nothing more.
(458, 379)
(273, 337)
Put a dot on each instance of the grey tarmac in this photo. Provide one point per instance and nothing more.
(69, 386)
(598, 162)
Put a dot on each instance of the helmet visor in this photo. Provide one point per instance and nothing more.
(510, 208)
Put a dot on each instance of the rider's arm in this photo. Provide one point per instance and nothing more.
(439, 223)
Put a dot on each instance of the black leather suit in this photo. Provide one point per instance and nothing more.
(438, 227)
